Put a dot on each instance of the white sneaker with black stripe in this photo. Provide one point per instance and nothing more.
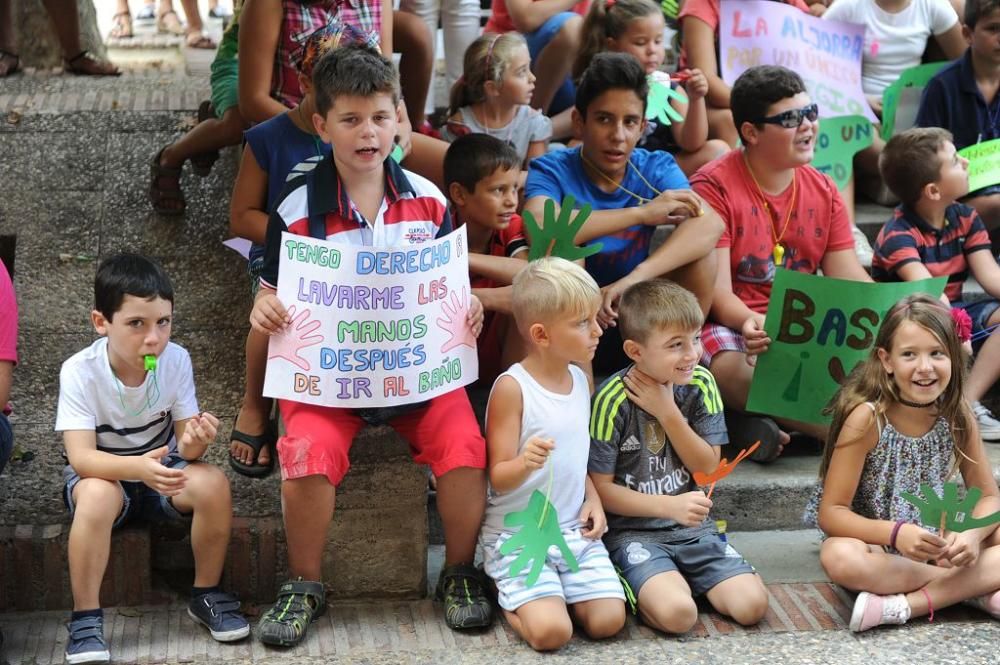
(989, 427)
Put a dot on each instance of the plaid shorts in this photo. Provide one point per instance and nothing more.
(716, 339)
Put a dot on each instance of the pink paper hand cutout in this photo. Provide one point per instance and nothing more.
(297, 336)
(455, 322)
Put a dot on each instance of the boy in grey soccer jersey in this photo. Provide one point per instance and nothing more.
(133, 437)
(653, 424)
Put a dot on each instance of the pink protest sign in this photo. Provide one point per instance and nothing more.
(826, 54)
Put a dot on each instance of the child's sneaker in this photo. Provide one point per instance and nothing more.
(220, 613)
(871, 610)
(989, 427)
(466, 605)
(299, 603)
(988, 602)
(86, 641)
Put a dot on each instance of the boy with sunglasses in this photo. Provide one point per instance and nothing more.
(779, 212)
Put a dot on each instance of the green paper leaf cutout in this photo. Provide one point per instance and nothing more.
(658, 102)
(539, 531)
(957, 513)
(839, 139)
(919, 77)
(557, 237)
(396, 154)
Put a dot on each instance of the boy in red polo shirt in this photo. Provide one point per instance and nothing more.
(359, 196)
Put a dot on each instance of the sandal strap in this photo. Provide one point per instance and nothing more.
(81, 55)
(167, 13)
(303, 588)
(9, 54)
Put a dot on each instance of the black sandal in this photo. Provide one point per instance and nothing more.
(299, 603)
(268, 438)
(17, 62)
(746, 429)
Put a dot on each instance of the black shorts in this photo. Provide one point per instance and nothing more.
(704, 562)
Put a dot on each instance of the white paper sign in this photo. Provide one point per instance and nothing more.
(372, 326)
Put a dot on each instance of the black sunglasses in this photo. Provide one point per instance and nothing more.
(792, 119)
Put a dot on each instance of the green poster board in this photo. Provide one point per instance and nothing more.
(839, 140)
(915, 77)
(984, 164)
(820, 328)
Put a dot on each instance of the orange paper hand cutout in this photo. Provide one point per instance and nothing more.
(724, 469)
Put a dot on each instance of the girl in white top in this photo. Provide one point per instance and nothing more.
(537, 440)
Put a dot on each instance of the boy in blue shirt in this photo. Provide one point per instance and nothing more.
(631, 190)
(963, 97)
(133, 438)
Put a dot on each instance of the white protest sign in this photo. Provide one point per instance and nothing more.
(372, 326)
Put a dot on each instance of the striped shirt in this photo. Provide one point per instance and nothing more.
(631, 444)
(907, 237)
(317, 205)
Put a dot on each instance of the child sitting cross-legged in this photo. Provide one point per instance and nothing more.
(133, 438)
(481, 173)
(536, 437)
(652, 424)
(931, 234)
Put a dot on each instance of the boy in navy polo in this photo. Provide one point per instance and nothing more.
(931, 235)
(361, 197)
(963, 99)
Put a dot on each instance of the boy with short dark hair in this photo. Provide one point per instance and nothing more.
(133, 435)
(359, 196)
(652, 424)
(631, 190)
(931, 235)
(481, 174)
(963, 97)
(779, 212)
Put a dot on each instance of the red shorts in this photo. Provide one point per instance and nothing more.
(444, 434)
(716, 339)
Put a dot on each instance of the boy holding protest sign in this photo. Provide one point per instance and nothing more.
(932, 235)
(652, 425)
(536, 433)
(963, 99)
(481, 173)
(359, 196)
(631, 190)
(779, 212)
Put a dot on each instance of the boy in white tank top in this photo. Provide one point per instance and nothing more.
(537, 444)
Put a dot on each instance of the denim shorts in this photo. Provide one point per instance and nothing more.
(979, 312)
(566, 94)
(6, 441)
(140, 503)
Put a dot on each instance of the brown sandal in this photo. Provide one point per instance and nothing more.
(173, 27)
(165, 188)
(121, 27)
(197, 39)
(12, 69)
(202, 164)
(86, 63)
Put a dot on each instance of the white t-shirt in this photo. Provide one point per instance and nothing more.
(89, 399)
(893, 42)
(564, 418)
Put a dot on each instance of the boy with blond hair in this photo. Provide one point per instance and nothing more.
(536, 437)
(652, 425)
(931, 234)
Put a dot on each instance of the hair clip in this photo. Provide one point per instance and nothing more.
(963, 324)
(608, 4)
(489, 56)
(680, 77)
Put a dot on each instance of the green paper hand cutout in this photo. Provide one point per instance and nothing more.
(558, 235)
(658, 103)
(957, 514)
(539, 530)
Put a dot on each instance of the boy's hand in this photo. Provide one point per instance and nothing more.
(697, 84)
(593, 519)
(673, 206)
(656, 399)
(200, 430)
(689, 509)
(919, 544)
(607, 315)
(269, 316)
(755, 336)
(963, 548)
(476, 314)
(161, 479)
(536, 452)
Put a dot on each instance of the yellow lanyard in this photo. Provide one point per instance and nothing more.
(618, 185)
(779, 249)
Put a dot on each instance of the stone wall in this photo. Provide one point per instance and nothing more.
(37, 44)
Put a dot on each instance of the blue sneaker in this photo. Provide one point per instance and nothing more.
(86, 641)
(220, 613)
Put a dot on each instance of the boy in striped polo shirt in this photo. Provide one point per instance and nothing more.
(359, 196)
(931, 234)
(652, 425)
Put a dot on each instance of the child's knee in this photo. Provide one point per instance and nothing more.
(548, 632)
(750, 605)
(604, 619)
(843, 562)
(97, 499)
(676, 614)
(207, 483)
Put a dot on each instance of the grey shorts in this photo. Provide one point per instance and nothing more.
(704, 562)
(139, 501)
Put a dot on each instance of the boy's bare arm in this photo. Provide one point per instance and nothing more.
(600, 223)
(508, 470)
(498, 268)
(89, 462)
(495, 300)
(986, 271)
(689, 509)
(247, 218)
